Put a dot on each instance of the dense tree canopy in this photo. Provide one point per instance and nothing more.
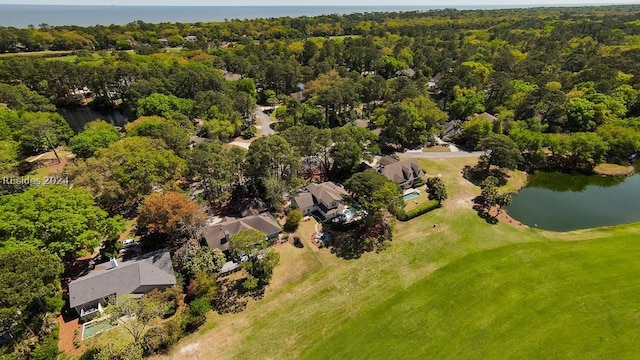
(95, 135)
(63, 221)
(122, 174)
(29, 287)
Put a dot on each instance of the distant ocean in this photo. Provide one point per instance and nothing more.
(22, 16)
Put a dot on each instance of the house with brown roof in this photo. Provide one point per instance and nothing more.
(217, 235)
(252, 207)
(404, 173)
(89, 294)
(325, 198)
(485, 115)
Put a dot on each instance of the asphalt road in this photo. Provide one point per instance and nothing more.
(265, 121)
(440, 155)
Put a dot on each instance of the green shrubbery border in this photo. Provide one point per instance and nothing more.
(418, 210)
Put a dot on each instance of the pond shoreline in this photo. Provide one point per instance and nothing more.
(605, 170)
(563, 202)
(613, 170)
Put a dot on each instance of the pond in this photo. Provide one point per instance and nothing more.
(79, 117)
(563, 202)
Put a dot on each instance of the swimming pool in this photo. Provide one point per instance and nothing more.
(348, 213)
(410, 195)
(96, 326)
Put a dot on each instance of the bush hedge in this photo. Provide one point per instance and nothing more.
(418, 210)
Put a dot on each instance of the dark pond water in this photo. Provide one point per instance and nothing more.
(563, 202)
(78, 117)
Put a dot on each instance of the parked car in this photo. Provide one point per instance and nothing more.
(129, 243)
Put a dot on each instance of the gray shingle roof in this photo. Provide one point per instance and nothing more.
(326, 192)
(215, 234)
(403, 171)
(304, 200)
(153, 269)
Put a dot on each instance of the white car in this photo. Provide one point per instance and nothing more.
(129, 243)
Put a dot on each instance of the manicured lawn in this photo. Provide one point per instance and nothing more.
(413, 202)
(540, 300)
(436, 148)
(465, 289)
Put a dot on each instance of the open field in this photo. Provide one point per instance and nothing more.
(436, 148)
(539, 300)
(47, 53)
(465, 289)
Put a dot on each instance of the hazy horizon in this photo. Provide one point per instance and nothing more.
(465, 3)
(92, 13)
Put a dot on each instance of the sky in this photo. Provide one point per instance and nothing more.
(451, 3)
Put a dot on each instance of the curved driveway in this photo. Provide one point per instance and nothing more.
(264, 120)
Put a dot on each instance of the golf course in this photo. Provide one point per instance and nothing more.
(464, 289)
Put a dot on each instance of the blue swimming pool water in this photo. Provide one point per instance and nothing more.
(410, 196)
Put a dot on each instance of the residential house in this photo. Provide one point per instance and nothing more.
(433, 82)
(405, 173)
(190, 38)
(298, 95)
(217, 235)
(452, 129)
(325, 198)
(484, 115)
(164, 42)
(252, 207)
(229, 76)
(89, 294)
(410, 73)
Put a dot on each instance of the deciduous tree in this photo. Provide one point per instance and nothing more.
(96, 135)
(247, 242)
(171, 214)
(122, 174)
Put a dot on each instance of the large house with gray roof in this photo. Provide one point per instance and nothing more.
(89, 294)
(404, 173)
(325, 199)
(217, 235)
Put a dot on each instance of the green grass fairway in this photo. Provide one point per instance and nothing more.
(541, 300)
(464, 289)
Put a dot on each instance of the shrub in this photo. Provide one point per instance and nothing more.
(196, 314)
(293, 220)
(199, 307)
(419, 183)
(249, 132)
(160, 338)
(250, 283)
(418, 210)
(48, 348)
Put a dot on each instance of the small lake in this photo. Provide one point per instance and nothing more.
(563, 202)
(79, 117)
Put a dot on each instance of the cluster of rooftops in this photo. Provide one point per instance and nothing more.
(89, 294)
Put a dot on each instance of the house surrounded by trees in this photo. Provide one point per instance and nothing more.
(89, 294)
(217, 236)
(325, 199)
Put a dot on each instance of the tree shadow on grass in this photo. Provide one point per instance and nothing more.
(229, 298)
(482, 212)
(367, 236)
(476, 175)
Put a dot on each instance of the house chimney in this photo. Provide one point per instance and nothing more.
(226, 236)
(114, 263)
